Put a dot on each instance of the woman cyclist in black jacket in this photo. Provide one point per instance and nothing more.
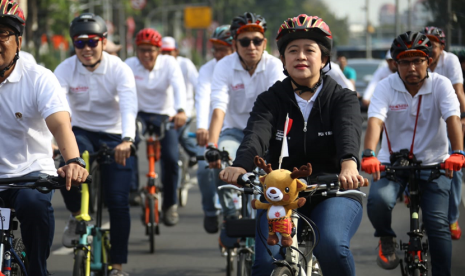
(325, 131)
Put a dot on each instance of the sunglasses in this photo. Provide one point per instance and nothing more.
(80, 44)
(245, 42)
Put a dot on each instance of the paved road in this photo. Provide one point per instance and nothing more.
(187, 250)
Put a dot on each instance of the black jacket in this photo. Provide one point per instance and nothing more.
(332, 133)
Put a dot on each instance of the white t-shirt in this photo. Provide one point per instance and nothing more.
(380, 74)
(234, 91)
(104, 100)
(202, 94)
(337, 75)
(392, 104)
(162, 90)
(306, 106)
(449, 66)
(27, 97)
(26, 56)
(190, 75)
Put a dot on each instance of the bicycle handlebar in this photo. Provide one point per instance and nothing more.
(439, 166)
(43, 183)
(107, 151)
(247, 191)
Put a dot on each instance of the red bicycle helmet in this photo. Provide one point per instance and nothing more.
(306, 27)
(148, 36)
(248, 22)
(12, 15)
(411, 44)
(435, 34)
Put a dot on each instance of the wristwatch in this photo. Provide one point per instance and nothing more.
(459, 152)
(462, 115)
(368, 153)
(128, 139)
(77, 160)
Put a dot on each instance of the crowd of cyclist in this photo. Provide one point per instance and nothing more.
(242, 98)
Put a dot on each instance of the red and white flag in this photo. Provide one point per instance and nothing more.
(284, 148)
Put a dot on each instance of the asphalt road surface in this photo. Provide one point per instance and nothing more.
(187, 250)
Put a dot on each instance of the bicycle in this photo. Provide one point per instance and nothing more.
(13, 259)
(415, 251)
(91, 251)
(298, 259)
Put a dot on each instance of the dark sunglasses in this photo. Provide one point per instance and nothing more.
(245, 42)
(80, 44)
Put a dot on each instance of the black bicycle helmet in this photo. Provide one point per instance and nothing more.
(248, 21)
(222, 35)
(304, 26)
(88, 23)
(411, 44)
(435, 34)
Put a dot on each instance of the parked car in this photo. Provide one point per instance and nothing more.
(365, 69)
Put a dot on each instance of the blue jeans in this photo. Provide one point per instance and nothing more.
(434, 204)
(337, 219)
(187, 143)
(455, 195)
(116, 183)
(208, 181)
(230, 140)
(169, 156)
(35, 213)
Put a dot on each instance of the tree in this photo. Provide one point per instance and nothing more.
(441, 18)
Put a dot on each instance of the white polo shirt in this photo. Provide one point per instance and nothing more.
(104, 100)
(449, 66)
(234, 91)
(202, 94)
(27, 97)
(162, 90)
(336, 74)
(392, 104)
(380, 74)
(26, 56)
(190, 75)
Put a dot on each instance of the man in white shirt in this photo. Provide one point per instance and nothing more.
(337, 75)
(32, 109)
(162, 96)
(221, 46)
(28, 57)
(237, 81)
(169, 46)
(380, 74)
(448, 65)
(418, 104)
(102, 95)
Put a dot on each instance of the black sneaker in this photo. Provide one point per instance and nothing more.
(210, 224)
(387, 257)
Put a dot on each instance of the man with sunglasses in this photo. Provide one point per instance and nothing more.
(221, 41)
(448, 65)
(102, 95)
(32, 112)
(237, 81)
(419, 111)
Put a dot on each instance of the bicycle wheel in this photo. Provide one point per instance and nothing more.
(244, 264)
(229, 262)
(416, 272)
(19, 248)
(80, 262)
(281, 271)
(151, 223)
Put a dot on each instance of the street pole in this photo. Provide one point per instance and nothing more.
(367, 31)
(397, 19)
(409, 20)
(449, 25)
(122, 30)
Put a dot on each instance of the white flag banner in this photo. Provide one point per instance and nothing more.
(284, 148)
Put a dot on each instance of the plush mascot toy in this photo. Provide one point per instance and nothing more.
(281, 189)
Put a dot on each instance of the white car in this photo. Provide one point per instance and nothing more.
(365, 69)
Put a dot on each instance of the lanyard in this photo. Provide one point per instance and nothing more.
(410, 155)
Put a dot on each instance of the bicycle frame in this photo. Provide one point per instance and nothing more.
(8, 253)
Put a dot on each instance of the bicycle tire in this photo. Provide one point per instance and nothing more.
(183, 194)
(281, 271)
(416, 272)
(151, 224)
(244, 264)
(229, 262)
(80, 262)
(19, 248)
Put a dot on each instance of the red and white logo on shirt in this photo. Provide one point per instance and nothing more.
(237, 87)
(138, 78)
(398, 107)
(79, 89)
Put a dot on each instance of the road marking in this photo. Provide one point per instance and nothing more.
(69, 251)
